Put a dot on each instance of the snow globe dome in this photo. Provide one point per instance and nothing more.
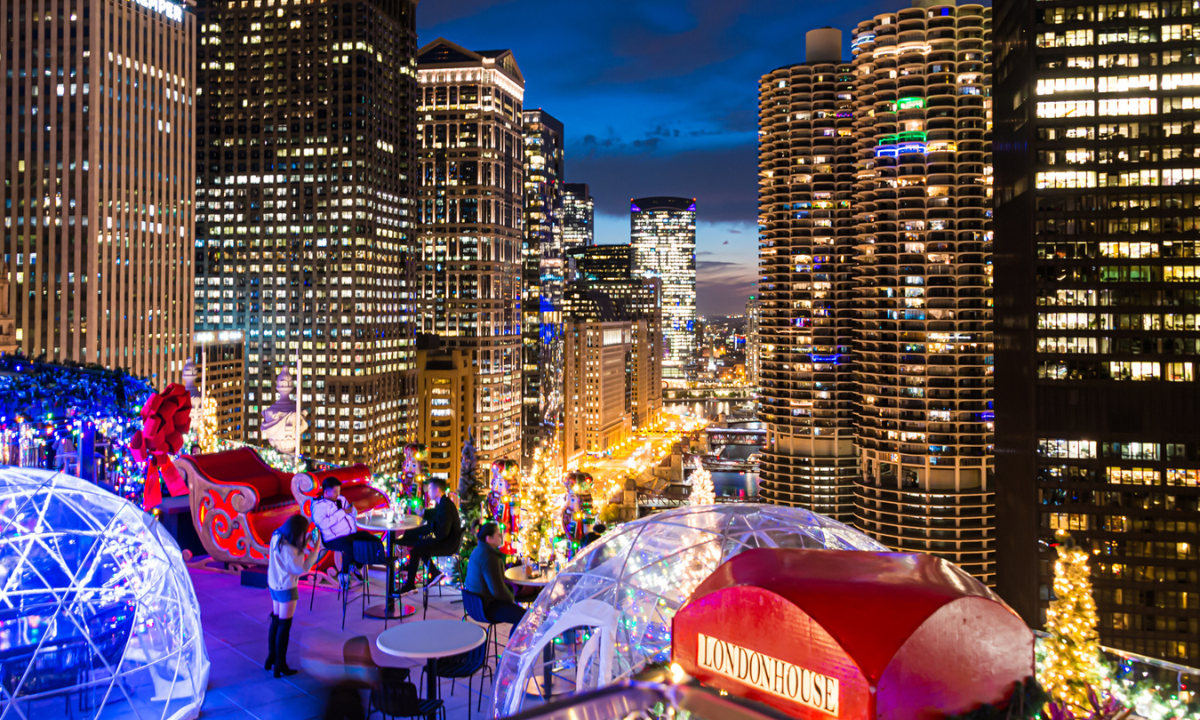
(96, 606)
(608, 613)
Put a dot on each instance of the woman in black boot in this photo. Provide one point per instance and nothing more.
(286, 564)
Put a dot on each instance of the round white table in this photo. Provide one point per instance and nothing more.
(517, 576)
(430, 639)
(389, 526)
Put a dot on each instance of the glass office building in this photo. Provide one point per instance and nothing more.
(663, 232)
(1097, 337)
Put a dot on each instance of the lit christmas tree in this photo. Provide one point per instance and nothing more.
(539, 517)
(1072, 650)
(206, 433)
(471, 496)
(702, 487)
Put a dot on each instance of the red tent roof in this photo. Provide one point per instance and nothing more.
(843, 591)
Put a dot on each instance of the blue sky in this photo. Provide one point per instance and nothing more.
(658, 98)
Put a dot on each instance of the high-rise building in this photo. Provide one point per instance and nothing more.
(304, 235)
(922, 205)
(1097, 340)
(598, 378)
(541, 294)
(447, 405)
(472, 194)
(663, 232)
(753, 356)
(603, 263)
(804, 354)
(579, 226)
(638, 300)
(894, 148)
(220, 364)
(99, 177)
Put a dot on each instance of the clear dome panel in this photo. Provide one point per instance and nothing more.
(608, 613)
(96, 606)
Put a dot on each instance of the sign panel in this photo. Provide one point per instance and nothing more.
(769, 674)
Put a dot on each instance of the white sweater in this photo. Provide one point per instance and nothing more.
(286, 564)
(335, 519)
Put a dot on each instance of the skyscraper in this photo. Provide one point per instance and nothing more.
(922, 202)
(1096, 330)
(472, 193)
(541, 294)
(663, 232)
(753, 355)
(578, 216)
(99, 179)
(894, 149)
(806, 287)
(304, 230)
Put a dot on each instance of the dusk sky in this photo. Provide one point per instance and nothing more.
(658, 97)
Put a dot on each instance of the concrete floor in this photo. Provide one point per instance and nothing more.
(235, 621)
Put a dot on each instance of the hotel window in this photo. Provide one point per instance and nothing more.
(1066, 179)
(1179, 372)
(1129, 106)
(1066, 448)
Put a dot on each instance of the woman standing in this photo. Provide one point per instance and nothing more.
(287, 563)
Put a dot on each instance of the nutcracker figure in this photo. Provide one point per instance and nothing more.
(501, 501)
(575, 507)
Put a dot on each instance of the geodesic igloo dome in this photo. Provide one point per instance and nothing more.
(96, 607)
(608, 613)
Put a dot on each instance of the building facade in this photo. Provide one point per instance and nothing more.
(1096, 338)
(599, 412)
(99, 168)
(471, 198)
(663, 236)
(447, 406)
(579, 222)
(220, 362)
(638, 300)
(753, 356)
(603, 263)
(542, 278)
(891, 252)
(306, 181)
(922, 202)
(806, 292)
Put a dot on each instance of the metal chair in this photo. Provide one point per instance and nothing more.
(453, 553)
(465, 666)
(362, 554)
(396, 696)
(473, 608)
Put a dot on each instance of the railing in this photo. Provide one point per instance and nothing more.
(650, 700)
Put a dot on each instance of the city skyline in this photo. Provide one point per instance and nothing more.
(658, 100)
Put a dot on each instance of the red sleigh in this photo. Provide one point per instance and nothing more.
(238, 501)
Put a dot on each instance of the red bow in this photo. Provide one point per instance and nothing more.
(166, 417)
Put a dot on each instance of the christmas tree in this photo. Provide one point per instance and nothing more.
(471, 495)
(702, 487)
(1072, 650)
(538, 520)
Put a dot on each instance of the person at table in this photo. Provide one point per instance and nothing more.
(593, 535)
(439, 536)
(485, 577)
(286, 563)
(337, 519)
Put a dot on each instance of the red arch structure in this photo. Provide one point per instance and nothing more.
(825, 634)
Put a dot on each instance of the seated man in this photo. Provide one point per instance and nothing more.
(593, 535)
(438, 536)
(338, 521)
(485, 577)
